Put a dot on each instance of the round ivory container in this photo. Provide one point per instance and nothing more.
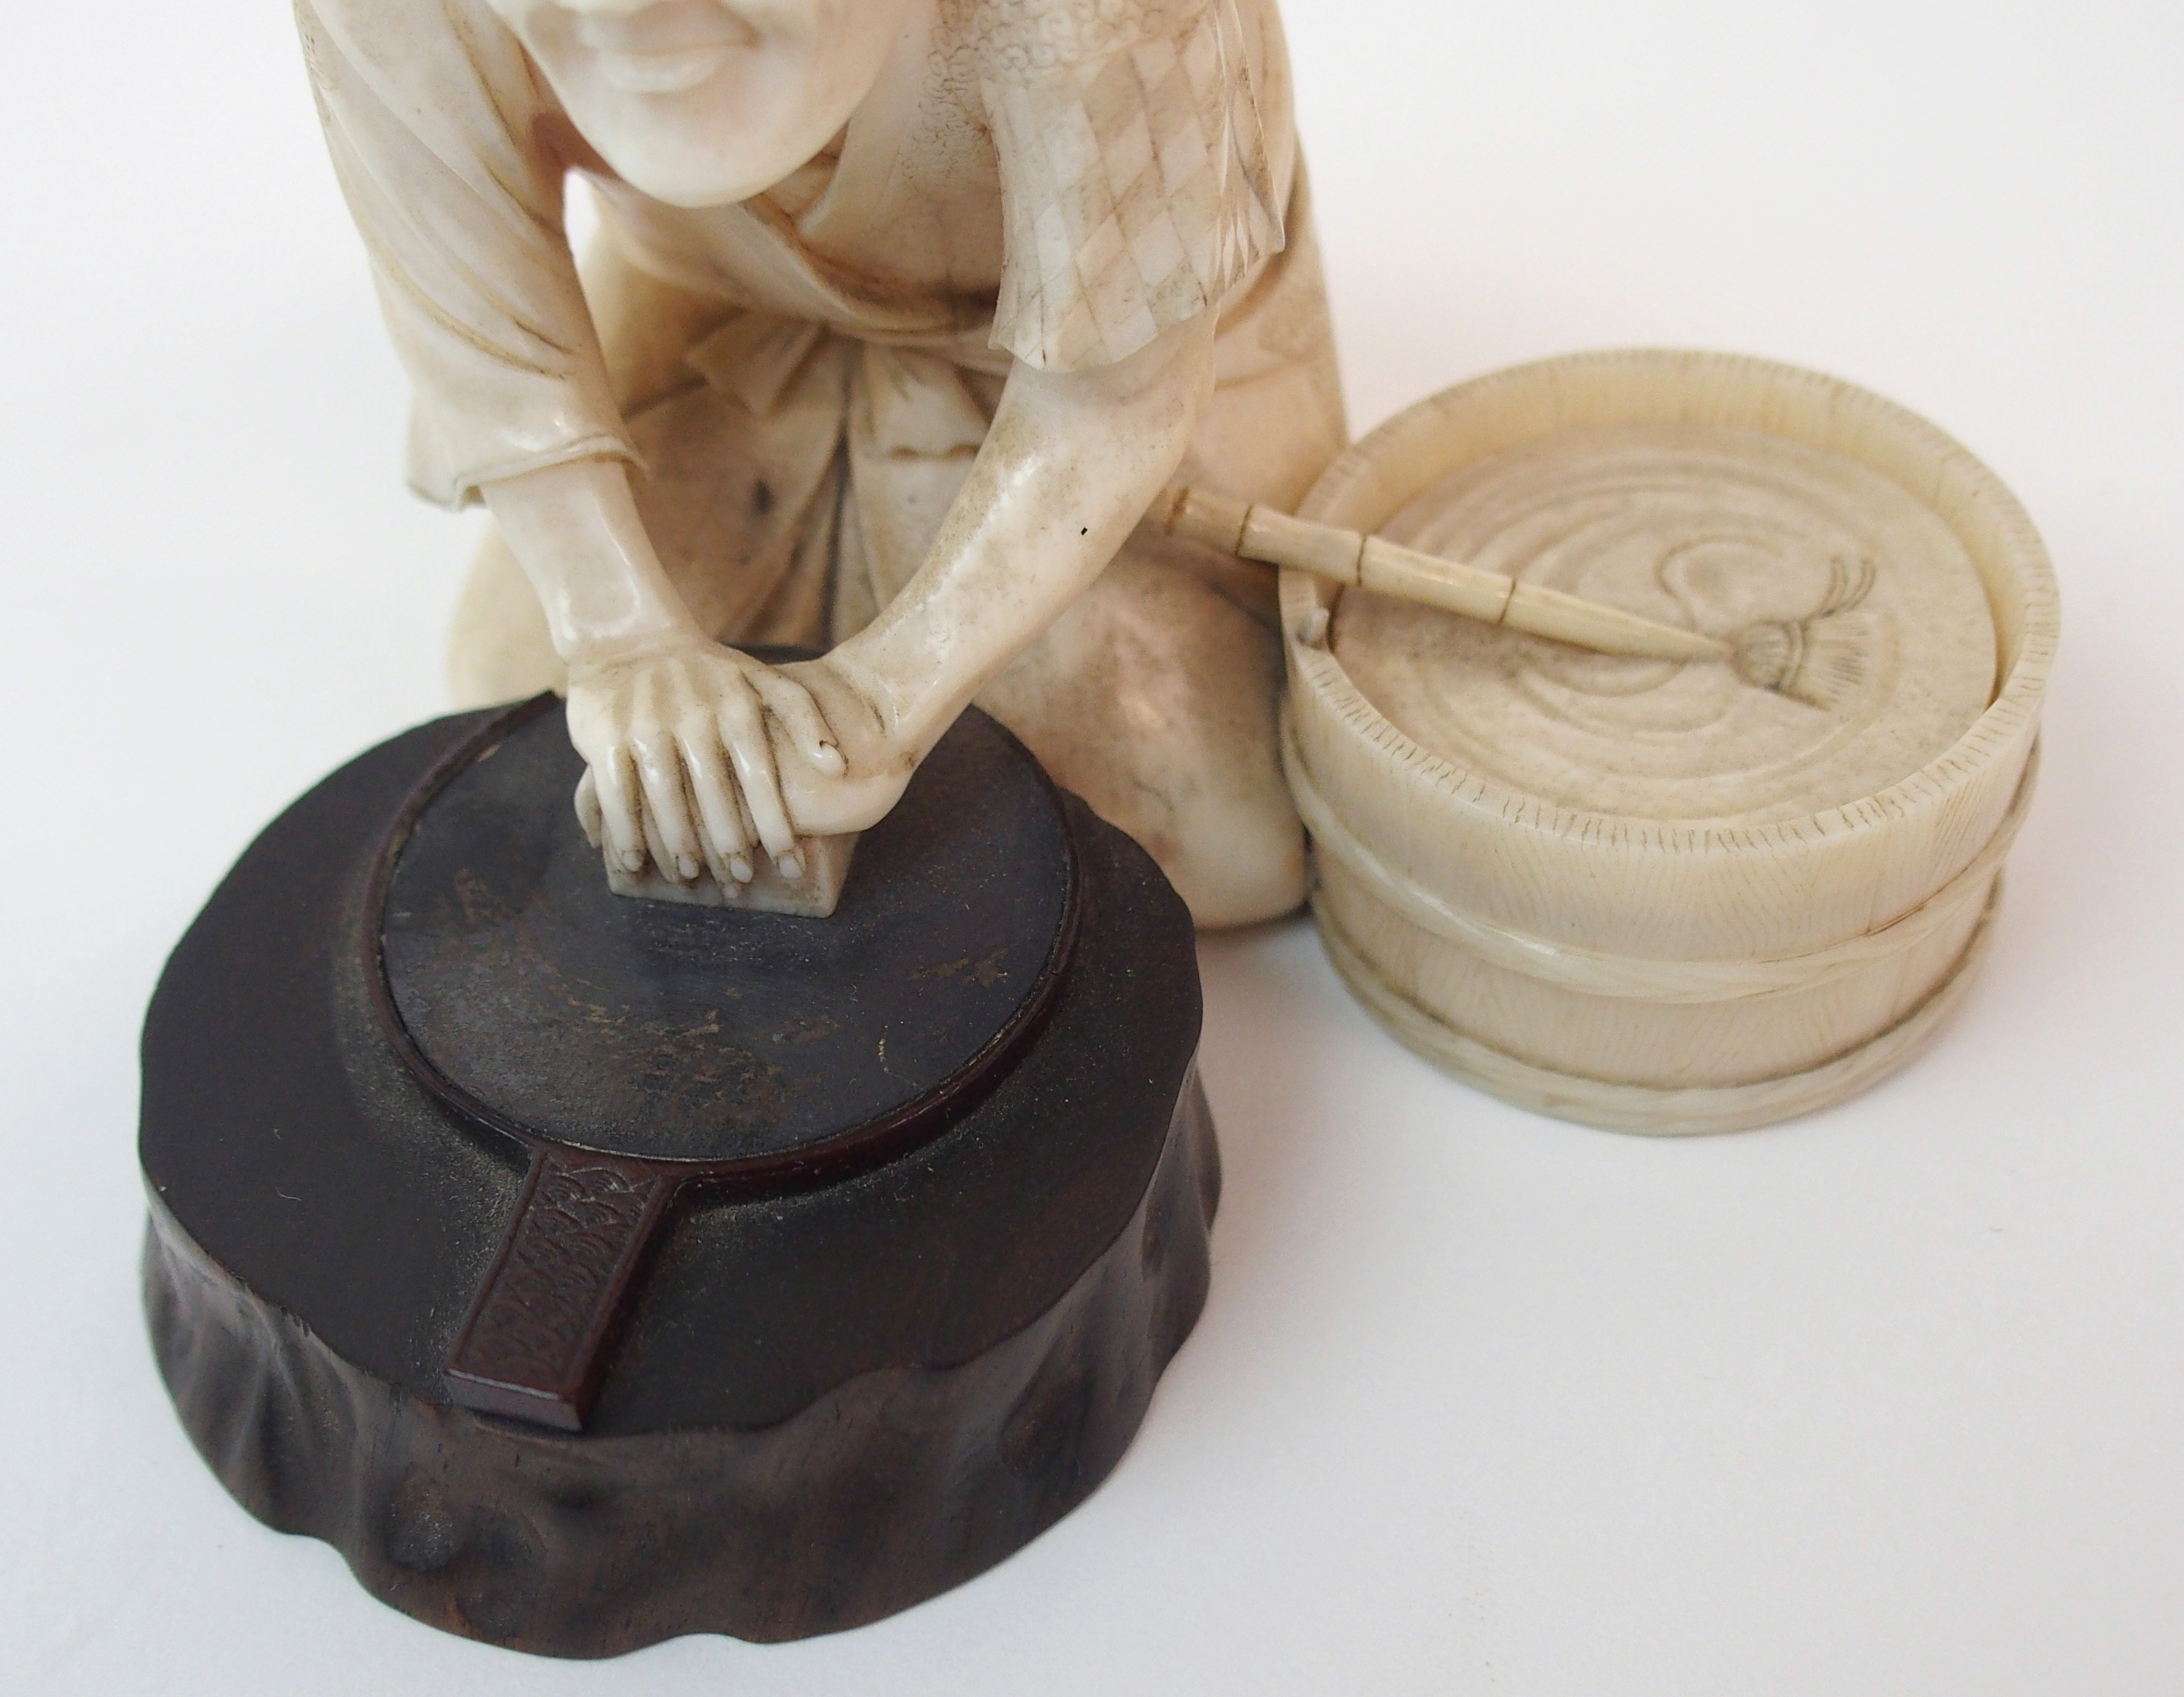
(1644, 894)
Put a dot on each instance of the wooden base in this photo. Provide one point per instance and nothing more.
(827, 1404)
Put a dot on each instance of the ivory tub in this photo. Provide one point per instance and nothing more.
(1632, 897)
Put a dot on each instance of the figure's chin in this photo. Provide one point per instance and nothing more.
(677, 179)
(680, 158)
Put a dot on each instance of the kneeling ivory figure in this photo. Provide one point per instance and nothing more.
(902, 312)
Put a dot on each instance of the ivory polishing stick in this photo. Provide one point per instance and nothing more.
(1386, 568)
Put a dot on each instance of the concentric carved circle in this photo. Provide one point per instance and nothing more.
(1737, 533)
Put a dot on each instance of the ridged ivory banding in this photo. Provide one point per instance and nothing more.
(1694, 1110)
(1653, 967)
(1593, 973)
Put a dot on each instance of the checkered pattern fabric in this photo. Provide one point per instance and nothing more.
(1135, 190)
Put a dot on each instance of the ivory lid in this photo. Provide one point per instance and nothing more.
(1713, 526)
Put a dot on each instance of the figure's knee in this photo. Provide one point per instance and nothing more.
(1212, 810)
(1155, 698)
(1236, 862)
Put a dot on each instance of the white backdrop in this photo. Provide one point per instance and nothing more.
(1888, 1399)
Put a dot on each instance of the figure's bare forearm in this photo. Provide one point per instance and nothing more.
(574, 531)
(1068, 469)
(696, 755)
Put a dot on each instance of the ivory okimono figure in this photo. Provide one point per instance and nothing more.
(902, 312)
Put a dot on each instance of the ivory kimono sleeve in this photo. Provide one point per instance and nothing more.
(1135, 189)
(437, 124)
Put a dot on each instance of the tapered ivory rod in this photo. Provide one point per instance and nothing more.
(1386, 568)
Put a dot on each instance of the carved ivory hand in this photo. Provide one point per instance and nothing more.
(697, 754)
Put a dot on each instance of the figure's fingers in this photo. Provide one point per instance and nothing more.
(750, 838)
(616, 785)
(656, 849)
(661, 700)
(808, 731)
(743, 729)
(667, 808)
(588, 807)
(727, 838)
